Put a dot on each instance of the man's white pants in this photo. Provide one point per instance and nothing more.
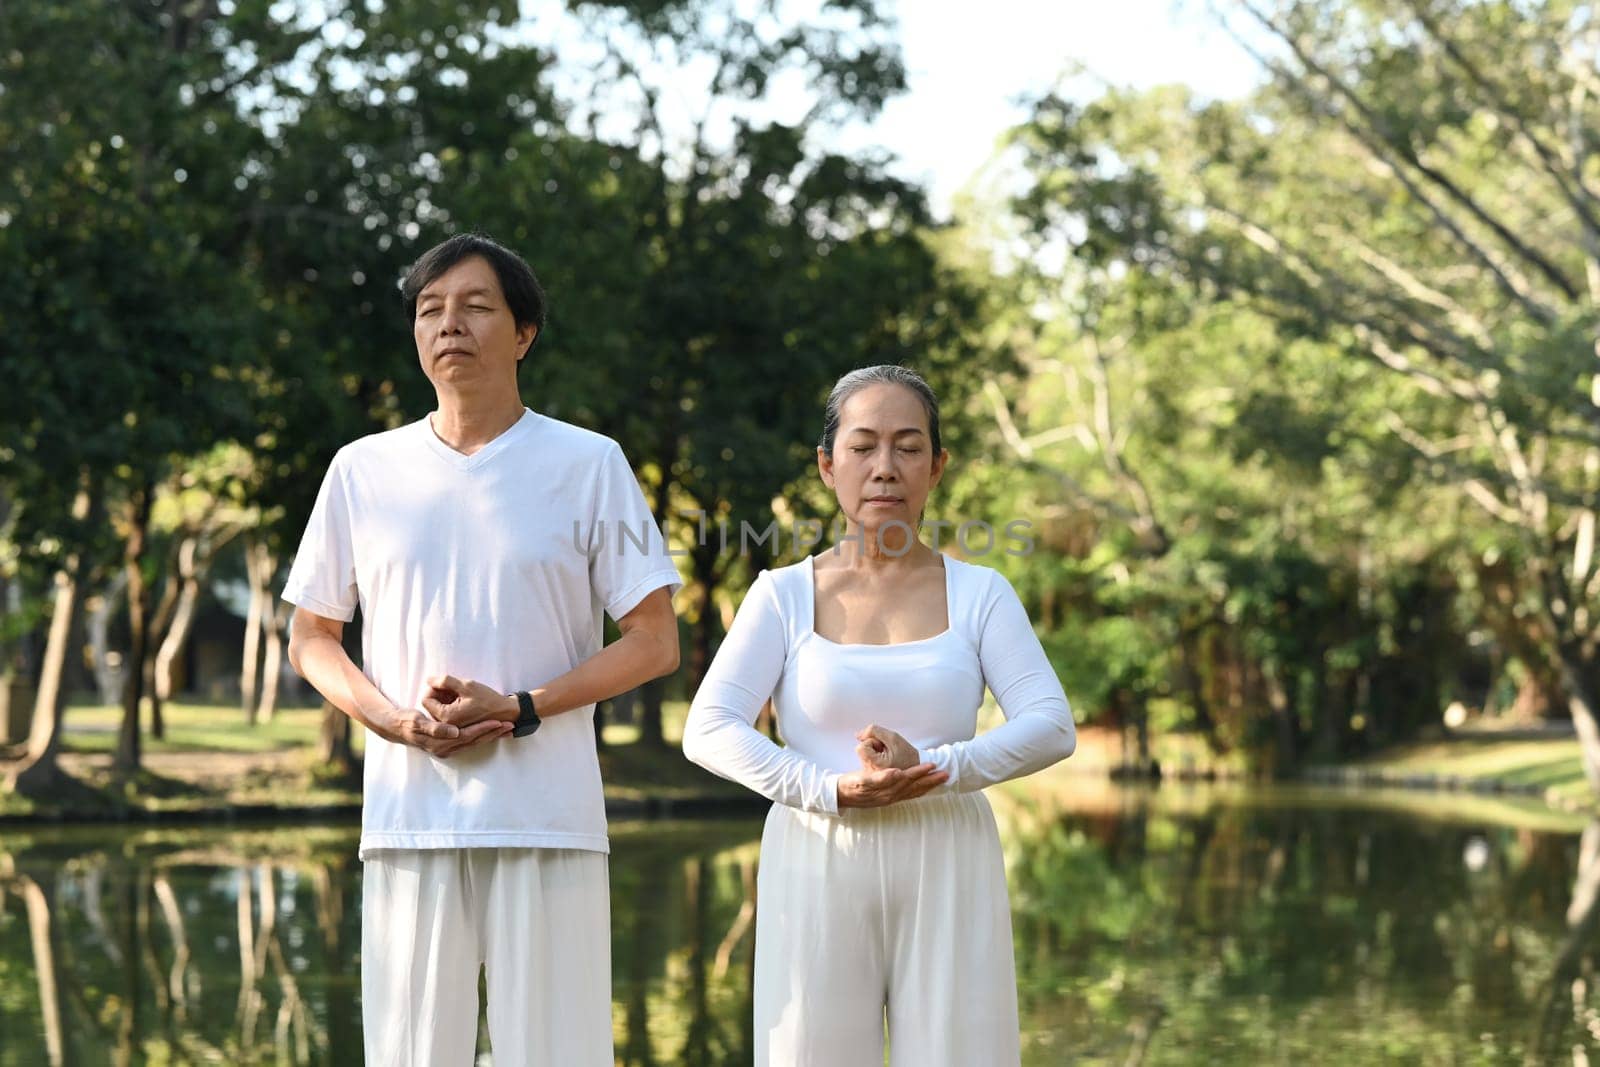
(537, 920)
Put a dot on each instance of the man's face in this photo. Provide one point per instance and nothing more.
(465, 332)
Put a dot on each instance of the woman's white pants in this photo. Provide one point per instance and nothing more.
(878, 917)
(536, 919)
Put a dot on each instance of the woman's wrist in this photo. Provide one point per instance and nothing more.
(836, 789)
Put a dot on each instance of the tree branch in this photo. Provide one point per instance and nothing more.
(1574, 189)
(1377, 129)
(1509, 280)
(1150, 534)
(1437, 454)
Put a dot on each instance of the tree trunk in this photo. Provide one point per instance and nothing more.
(38, 904)
(1561, 1008)
(1285, 750)
(653, 692)
(1584, 703)
(147, 685)
(250, 668)
(1192, 682)
(40, 773)
(652, 695)
(178, 565)
(334, 750)
(100, 610)
(706, 575)
(272, 663)
(128, 755)
(180, 624)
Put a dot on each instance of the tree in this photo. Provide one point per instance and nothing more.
(1405, 193)
(120, 365)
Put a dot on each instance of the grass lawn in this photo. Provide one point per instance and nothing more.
(211, 759)
(195, 728)
(1553, 765)
(222, 728)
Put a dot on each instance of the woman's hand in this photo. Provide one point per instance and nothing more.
(880, 788)
(881, 748)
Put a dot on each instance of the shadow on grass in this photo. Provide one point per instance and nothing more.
(1558, 771)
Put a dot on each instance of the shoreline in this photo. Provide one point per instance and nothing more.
(695, 806)
(209, 786)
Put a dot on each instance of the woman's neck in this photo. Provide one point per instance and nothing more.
(877, 550)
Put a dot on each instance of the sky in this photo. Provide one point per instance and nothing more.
(966, 71)
(967, 67)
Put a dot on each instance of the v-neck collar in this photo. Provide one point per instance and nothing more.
(495, 446)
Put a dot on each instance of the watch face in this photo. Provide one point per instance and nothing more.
(523, 729)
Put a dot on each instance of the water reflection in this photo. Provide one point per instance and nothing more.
(1230, 931)
(1252, 934)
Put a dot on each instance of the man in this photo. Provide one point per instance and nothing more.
(481, 544)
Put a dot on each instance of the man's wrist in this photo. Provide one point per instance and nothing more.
(507, 710)
(375, 716)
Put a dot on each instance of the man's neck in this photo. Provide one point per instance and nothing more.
(466, 424)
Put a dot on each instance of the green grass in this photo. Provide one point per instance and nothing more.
(283, 775)
(1549, 764)
(194, 728)
(222, 728)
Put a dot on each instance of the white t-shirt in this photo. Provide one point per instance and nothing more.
(492, 567)
(928, 691)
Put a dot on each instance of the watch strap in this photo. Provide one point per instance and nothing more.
(527, 718)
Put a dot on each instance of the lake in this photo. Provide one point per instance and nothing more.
(1170, 926)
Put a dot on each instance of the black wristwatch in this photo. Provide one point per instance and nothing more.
(528, 720)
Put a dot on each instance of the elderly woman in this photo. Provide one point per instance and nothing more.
(882, 891)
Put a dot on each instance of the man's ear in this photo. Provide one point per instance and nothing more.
(532, 332)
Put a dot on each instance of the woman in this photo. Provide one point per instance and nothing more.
(882, 893)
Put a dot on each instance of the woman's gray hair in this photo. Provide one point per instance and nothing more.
(883, 374)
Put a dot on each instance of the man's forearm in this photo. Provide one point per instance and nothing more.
(322, 661)
(629, 661)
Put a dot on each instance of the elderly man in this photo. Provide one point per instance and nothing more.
(475, 541)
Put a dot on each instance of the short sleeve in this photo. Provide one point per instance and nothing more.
(627, 553)
(322, 578)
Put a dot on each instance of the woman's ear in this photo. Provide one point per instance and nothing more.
(939, 462)
(825, 466)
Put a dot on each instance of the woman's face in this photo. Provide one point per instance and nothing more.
(883, 466)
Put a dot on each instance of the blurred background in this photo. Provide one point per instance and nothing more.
(1274, 320)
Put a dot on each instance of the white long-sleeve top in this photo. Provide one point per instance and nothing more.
(928, 691)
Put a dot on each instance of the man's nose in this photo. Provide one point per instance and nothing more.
(450, 319)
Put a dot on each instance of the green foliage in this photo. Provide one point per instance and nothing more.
(1298, 369)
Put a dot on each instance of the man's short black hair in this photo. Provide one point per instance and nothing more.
(524, 295)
